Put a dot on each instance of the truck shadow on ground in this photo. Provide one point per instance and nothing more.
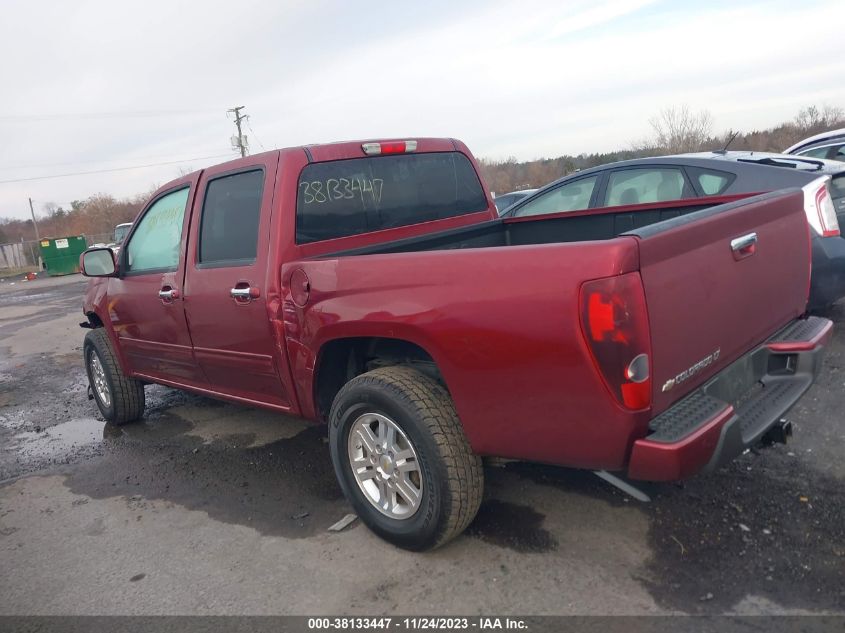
(512, 525)
(282, 488)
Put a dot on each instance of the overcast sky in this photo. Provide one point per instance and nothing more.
(96, 85)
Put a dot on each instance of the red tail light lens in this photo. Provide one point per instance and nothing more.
(614, 320)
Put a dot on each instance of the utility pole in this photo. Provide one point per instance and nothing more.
(239, 142)
(37, 237)
(34, 223)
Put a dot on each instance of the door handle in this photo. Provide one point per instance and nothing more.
(244, 294)
(744, 246)
(168, 294)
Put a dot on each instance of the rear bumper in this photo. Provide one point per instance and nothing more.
(735, 408)
(827, 282)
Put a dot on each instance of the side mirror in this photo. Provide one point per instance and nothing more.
(98, 262)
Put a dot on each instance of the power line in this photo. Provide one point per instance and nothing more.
(100, 115)
(81, 162)
(254, 135)
(105, 171)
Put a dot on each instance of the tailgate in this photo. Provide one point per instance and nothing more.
(719, 282)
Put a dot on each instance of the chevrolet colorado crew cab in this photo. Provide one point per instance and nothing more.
(371, 285)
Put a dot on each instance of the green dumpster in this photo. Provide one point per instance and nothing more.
(61, 254)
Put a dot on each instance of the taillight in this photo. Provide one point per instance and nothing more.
(827, 214)
(390, 147)
(614, 320)
(818, 205)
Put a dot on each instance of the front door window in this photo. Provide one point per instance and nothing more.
(154, 246)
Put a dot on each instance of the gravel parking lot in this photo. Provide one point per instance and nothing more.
(211, 508)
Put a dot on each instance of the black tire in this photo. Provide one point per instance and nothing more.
(127, 395)
(453, 475)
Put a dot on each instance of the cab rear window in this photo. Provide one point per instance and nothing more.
(361, 195)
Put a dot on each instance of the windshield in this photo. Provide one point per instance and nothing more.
(361, 195)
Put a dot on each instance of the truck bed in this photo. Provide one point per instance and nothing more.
(578, 226)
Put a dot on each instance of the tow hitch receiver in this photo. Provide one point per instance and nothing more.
(778, 434)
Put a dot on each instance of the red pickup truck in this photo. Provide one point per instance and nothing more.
(371, 285)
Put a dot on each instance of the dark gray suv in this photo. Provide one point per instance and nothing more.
(714, 174)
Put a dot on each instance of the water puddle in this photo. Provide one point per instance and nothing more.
(24, 294)
(60, 439)
(220, 423)
(284, 488)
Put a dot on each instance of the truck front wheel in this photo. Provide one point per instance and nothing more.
(401, 457)
(119, 398)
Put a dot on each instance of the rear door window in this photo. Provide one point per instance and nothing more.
(231, 212)
(711, 182)
(572, 196)
(643, 185)
(361, 195)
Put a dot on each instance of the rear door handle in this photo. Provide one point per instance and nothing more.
(744, 246)
(244, 294)
(168, 294)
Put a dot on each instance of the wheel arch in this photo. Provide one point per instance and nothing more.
(95, 321)
(340, 360)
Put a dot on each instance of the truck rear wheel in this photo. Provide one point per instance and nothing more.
(119, 398)
(401, 457)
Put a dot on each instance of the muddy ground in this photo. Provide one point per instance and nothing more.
(207, 508)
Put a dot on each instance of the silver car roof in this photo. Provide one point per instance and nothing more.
(830, 134)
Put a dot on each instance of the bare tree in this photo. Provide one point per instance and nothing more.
(53, 210)
(677, 129)
(813, 118)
